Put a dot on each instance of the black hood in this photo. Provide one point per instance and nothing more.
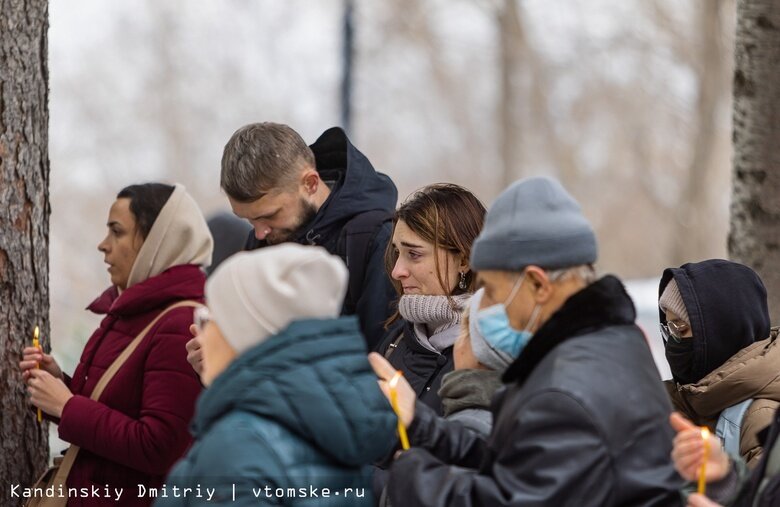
(356, 187)
(727, 306)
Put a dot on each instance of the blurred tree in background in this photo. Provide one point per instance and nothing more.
(628, 103)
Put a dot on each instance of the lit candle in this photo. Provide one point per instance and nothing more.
(394, 402)
(705, 435)
(37, 345)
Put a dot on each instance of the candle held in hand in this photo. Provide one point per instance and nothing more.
(705, 435)
(37, 345)
(393, 384)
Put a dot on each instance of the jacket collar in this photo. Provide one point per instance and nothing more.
(600, 304)
(750, 373)
(174, 284)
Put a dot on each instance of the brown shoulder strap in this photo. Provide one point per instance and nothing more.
(70, 456)
(120, 360)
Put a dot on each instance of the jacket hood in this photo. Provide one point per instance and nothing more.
(727, 307)
(172, 285)
(750, 373)
(313, 378)
(356, 186)
(178, 236)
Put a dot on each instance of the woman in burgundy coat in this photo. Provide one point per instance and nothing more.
(156, 246)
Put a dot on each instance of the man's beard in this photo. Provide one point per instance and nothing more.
(306, 215)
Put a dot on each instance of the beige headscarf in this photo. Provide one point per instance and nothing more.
(178, 236)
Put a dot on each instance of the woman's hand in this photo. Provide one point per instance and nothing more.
(688, 452)
(32, 358)
(194, 351)
(406, 395)
(47, 393)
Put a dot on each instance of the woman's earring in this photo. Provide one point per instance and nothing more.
(462, 283)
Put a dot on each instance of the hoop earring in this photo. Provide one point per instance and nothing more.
(462, 283)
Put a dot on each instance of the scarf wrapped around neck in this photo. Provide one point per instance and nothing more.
(436, 319)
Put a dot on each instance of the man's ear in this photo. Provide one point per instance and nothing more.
(539, 283)
(310, 181)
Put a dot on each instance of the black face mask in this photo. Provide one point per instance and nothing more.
(680, 357)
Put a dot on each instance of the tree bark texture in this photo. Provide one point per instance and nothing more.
(754, 237)
(24, 230)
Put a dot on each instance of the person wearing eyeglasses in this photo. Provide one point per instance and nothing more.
(723, 357)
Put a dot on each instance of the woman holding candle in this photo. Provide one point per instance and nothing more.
(156, 248)
(292, 402)
(724, 479)
(562, 433)
(723, 357)
(428, 262)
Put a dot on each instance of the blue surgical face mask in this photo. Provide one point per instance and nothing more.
(493, 324)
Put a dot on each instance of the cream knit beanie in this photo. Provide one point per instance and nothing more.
(672, 300)
(254, 295)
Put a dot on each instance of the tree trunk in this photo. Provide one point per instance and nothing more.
(511, 44)
(24, 230)
(754, 238)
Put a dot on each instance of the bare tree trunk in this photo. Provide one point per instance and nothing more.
(690, 236)
(512, 43)
(24, 230)
(754, 238)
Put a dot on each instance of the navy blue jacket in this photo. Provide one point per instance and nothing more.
(301, 410)
(356, 188)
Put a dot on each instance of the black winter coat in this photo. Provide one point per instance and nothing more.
(770, 492)
(583, 421)
(356, 188)
(422, 368)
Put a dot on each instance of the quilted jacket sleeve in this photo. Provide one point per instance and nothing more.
(160, 435)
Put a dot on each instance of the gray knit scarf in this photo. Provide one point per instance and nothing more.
(436, 319)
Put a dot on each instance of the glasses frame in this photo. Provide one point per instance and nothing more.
(670, 330)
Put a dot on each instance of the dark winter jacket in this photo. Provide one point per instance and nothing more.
(583, 421)
(761, 488)
(356, 188)
(732, 360)
(422, 367)
(138, 429)
(301, 410)
(228, 232)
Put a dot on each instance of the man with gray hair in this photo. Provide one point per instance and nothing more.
(326, 194)
(583, 419)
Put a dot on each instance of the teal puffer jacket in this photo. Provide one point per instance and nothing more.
(292, 421)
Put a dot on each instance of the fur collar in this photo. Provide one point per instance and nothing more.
(601, 304)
